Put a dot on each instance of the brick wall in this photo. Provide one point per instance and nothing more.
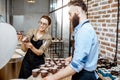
(103, 16)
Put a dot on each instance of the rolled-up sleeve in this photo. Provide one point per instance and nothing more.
(30, 33)
(82, 49)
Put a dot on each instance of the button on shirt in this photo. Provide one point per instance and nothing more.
(86, 48)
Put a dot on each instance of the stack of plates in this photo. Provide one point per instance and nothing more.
(20, 52)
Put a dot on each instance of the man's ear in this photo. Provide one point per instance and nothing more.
(78, 10)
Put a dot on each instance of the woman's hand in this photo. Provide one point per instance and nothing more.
(28, 45)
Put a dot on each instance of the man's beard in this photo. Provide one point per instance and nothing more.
(75, 20)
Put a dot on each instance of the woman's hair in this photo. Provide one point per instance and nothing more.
(48, 18)
(79, 3)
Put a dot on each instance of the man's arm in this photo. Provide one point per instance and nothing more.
(68, 59)
(61, 74)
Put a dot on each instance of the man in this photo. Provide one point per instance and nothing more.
(84, 60)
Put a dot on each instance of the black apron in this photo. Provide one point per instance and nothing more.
(84, 75)
(31, 60)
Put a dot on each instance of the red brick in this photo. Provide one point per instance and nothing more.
(110, 35)
(114, 10)
(112, 25)
(103, 25)
(102, 12)
(105, 30)
(113, 45)
(106, 7)
(105, 16)
(95, 5)
(110, 1)
(97, 33)
(102, 38)
(109, 49)
(108, 20)
(114, 5)
(105, 43)
(114, 15)
(101, 20)
(103, 52)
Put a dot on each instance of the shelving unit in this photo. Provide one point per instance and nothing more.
(56, 49)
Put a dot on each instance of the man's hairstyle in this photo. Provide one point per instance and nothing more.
(79, 3)
(48, 18)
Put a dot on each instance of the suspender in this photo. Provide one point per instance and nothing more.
(85, 23)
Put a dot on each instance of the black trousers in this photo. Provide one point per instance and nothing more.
(84, 75)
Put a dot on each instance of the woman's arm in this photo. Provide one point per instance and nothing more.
(29, 45)
(28, 36)
(23, 47)
(42, 49)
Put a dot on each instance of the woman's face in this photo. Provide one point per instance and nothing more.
(43, 24)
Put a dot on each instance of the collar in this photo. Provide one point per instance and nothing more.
(80, 25)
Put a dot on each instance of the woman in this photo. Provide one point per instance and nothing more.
(38, 40)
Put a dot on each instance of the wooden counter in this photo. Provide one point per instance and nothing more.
(39, 77)
(12, 68)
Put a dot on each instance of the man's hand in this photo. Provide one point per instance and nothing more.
(51, 77)
(68, 59)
